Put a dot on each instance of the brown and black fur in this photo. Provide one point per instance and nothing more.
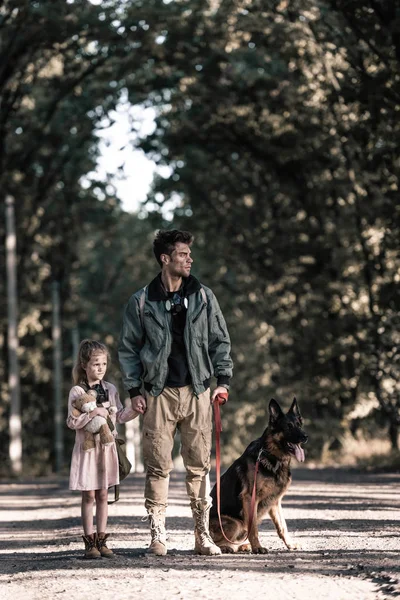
(280, 441)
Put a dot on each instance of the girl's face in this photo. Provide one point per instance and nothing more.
(96, 367)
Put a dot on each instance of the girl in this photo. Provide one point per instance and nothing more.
(94, 471)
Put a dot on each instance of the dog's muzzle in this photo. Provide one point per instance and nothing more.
(297, 451)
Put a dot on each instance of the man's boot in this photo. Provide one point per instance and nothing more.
(203, 541)
(102, 546)
(158, 544)
(91, 550)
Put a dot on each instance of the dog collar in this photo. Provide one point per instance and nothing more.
(266, 463)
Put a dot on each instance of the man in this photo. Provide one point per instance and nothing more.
(174, 338)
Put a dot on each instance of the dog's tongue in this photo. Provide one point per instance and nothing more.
(299, 452)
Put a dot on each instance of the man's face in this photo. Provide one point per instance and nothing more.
(180, 261)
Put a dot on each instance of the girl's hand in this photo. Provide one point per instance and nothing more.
(99, 411)
(139, 404)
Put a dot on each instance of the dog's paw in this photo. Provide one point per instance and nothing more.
(259, 550)
(227, 550)
(293, 545)
(244, 548)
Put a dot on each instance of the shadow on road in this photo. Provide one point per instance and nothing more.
(347, 523)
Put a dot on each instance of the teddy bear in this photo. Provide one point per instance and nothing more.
(85, 404)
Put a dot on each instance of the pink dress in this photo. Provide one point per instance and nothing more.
(95, 469)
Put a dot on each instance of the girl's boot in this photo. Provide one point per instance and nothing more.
(91, 550)
(102, 546)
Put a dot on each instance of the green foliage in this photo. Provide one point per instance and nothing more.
(60, 76)
(281, 126)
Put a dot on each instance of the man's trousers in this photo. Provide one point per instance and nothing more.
(177, 408)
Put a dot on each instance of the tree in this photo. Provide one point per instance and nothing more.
(62, 72)
(287, 162)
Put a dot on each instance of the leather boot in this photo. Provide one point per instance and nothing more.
(203, 541)
(158, 544)
(102, 546)
(91, 550)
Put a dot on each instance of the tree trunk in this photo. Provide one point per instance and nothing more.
(394, 435)
(57, 379)
(15, 447)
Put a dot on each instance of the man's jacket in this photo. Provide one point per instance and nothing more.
(146, 339)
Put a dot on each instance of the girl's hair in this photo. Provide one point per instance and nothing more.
(85, 352)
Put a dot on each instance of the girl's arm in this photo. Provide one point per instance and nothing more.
(74, 422)
(123, 414)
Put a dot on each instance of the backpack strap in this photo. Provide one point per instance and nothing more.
(204, 295)
(84, 386)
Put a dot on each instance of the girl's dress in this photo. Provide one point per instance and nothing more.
(95, 469)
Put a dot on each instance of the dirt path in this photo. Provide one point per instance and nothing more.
(348, 525)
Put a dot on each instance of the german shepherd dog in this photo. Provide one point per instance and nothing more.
(280, 441)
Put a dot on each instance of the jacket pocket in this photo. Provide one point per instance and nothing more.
(205, 367)
(154, 319)
(155, 334)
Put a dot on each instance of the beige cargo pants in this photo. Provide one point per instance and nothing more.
(177, 408)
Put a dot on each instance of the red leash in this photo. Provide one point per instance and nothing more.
(219, 400)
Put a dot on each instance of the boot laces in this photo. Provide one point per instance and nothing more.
(91, 542)
(202, 526)
(157, 528)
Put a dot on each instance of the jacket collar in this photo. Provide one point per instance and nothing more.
(157, 293)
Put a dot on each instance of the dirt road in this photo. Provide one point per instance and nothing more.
(347, 523)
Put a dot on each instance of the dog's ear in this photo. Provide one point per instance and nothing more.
(275, 410)
(295, 409)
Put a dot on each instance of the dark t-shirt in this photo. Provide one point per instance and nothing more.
(178, 369)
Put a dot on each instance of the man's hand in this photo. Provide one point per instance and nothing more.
(219, 390)
(139, 404)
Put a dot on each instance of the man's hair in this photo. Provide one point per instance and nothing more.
(165, 240)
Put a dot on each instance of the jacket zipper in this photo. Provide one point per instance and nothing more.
(150, 314)
(186, 339)
(198, 314)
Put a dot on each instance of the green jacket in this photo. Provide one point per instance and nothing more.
(146, 338)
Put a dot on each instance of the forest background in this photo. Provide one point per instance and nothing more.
(279, 123)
